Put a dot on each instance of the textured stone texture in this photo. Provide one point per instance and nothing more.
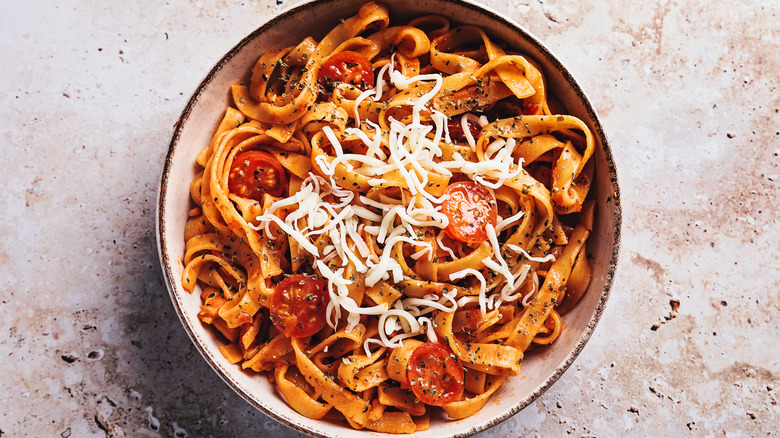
(688, 92)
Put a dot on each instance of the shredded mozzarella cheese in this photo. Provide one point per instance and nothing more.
(517, 249)
(411, 150)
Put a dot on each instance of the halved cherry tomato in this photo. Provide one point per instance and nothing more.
(469, 207)
(255, 173)
(298, 305)
(349, 67)
(455, 129)
(435, 374)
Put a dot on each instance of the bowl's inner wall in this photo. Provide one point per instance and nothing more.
(205, 111)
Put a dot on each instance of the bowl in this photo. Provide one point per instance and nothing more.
(203, 113)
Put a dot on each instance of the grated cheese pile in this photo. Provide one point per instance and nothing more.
(322, 207)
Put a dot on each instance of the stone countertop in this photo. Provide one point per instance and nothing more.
(688, 93)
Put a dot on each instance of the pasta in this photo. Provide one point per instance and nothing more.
(389, 219)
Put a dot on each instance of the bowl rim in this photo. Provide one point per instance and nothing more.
(490, 13)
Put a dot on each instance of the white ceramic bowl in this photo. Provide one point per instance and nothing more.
(204, 111)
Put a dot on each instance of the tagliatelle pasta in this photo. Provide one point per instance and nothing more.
(389, 219)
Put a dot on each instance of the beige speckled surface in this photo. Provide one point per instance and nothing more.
(687, 91)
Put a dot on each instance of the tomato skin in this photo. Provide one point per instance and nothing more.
(254, 173)
(435, 374)
(349, 67)
(455, 128)
(298, 305)
(470, 207)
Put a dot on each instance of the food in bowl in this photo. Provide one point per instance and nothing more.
(389, 219)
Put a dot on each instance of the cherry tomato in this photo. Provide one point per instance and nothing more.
(298, 305)
(435, 374)
(255, 173)
(349, 67)
(470, 207)
(455, 129)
